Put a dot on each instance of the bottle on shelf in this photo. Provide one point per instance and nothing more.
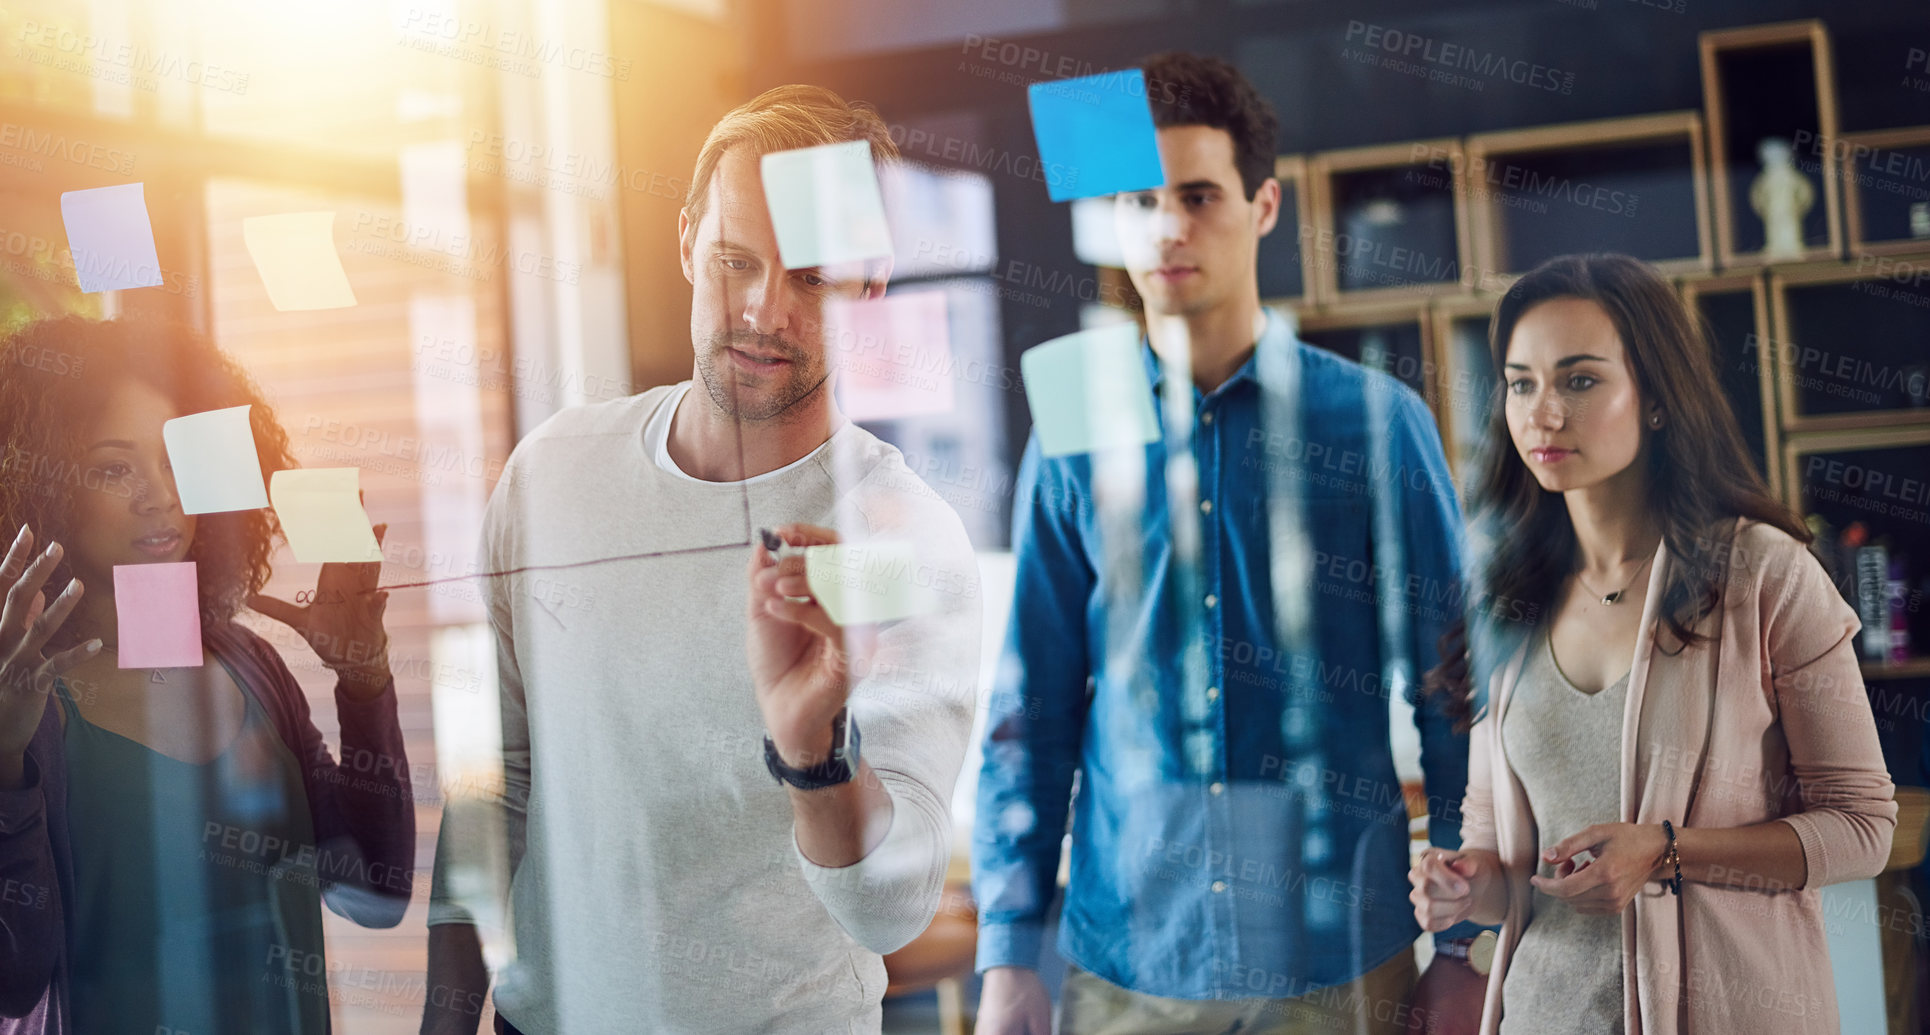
(1872, 599)
(1897, 594)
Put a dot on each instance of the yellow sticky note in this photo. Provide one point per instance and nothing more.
(321, 513)
(861, 583)
(295, 254)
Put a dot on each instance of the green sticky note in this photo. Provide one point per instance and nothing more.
(862, 583)
(321, 513)
(825, 205)
(216, 467)
(1088, 391)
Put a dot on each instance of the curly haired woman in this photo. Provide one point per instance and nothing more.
(167, 836)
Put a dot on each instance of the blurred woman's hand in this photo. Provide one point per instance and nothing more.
(27, 672)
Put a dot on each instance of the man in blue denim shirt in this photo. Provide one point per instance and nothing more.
(1211, 651)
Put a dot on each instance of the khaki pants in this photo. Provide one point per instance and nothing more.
(1373, 1004)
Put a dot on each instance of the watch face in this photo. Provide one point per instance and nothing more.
(1481, 952)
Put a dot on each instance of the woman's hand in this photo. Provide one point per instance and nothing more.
(342, 621)
(1624, 857)
(27, 673)
(801, 661)
(1451, 886)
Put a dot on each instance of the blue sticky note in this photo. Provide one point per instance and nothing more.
(110, 237)
(1095, 135)
(1088, 391)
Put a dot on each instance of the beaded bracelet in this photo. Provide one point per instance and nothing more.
(1672, 858)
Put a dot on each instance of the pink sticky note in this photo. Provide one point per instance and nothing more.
(893, 355)
(159, 608)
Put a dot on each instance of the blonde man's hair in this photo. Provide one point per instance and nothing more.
(785, 118)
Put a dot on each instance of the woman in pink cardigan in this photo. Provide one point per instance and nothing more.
(1676, 749)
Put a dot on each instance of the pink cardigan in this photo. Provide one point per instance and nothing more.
(1769, 722)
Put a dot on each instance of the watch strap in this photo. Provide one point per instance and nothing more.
(839, 767)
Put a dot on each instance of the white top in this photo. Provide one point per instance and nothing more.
(656, 441)
(657, 885)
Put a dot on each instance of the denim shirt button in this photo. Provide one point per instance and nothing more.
(1219, 886)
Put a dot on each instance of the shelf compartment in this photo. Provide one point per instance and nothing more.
(1770, 81)
(1886, 190)
(1633, 185)
(1390, 222)
(1852, 342)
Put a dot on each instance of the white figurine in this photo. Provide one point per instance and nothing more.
(1781, 196)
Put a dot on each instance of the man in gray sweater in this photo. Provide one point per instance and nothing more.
(692, 845)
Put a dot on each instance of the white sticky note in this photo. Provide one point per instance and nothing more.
(825, 205)
(321, 513)
(157, 609)
(862, 583)
(216, 468)
(295, 254)
(1089, 391)
(893, 355)
(111, 239)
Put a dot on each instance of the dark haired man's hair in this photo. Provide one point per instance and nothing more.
(1698, 471)
(1195, 90)
(46, 407)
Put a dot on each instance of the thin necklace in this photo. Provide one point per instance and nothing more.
(1614, 598)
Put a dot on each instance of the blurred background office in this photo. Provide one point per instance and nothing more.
(506, 177)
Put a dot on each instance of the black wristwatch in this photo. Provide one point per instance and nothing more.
(837, 769)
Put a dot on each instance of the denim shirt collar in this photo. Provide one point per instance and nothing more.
(1277, 334)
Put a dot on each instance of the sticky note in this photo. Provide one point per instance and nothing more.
(825, 205)
(893, 355)
(1088, 391)
(295, 254)
(157, 608)
(110, 237)
(216, 467)
(1095, 135)
(321, 513)
(861, 583)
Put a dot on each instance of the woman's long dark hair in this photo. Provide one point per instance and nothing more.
(53, 376)
(1698, 472)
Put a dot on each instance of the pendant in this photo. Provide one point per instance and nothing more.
(1614, 598)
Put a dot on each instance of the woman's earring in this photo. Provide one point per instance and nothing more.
(1655, 420)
